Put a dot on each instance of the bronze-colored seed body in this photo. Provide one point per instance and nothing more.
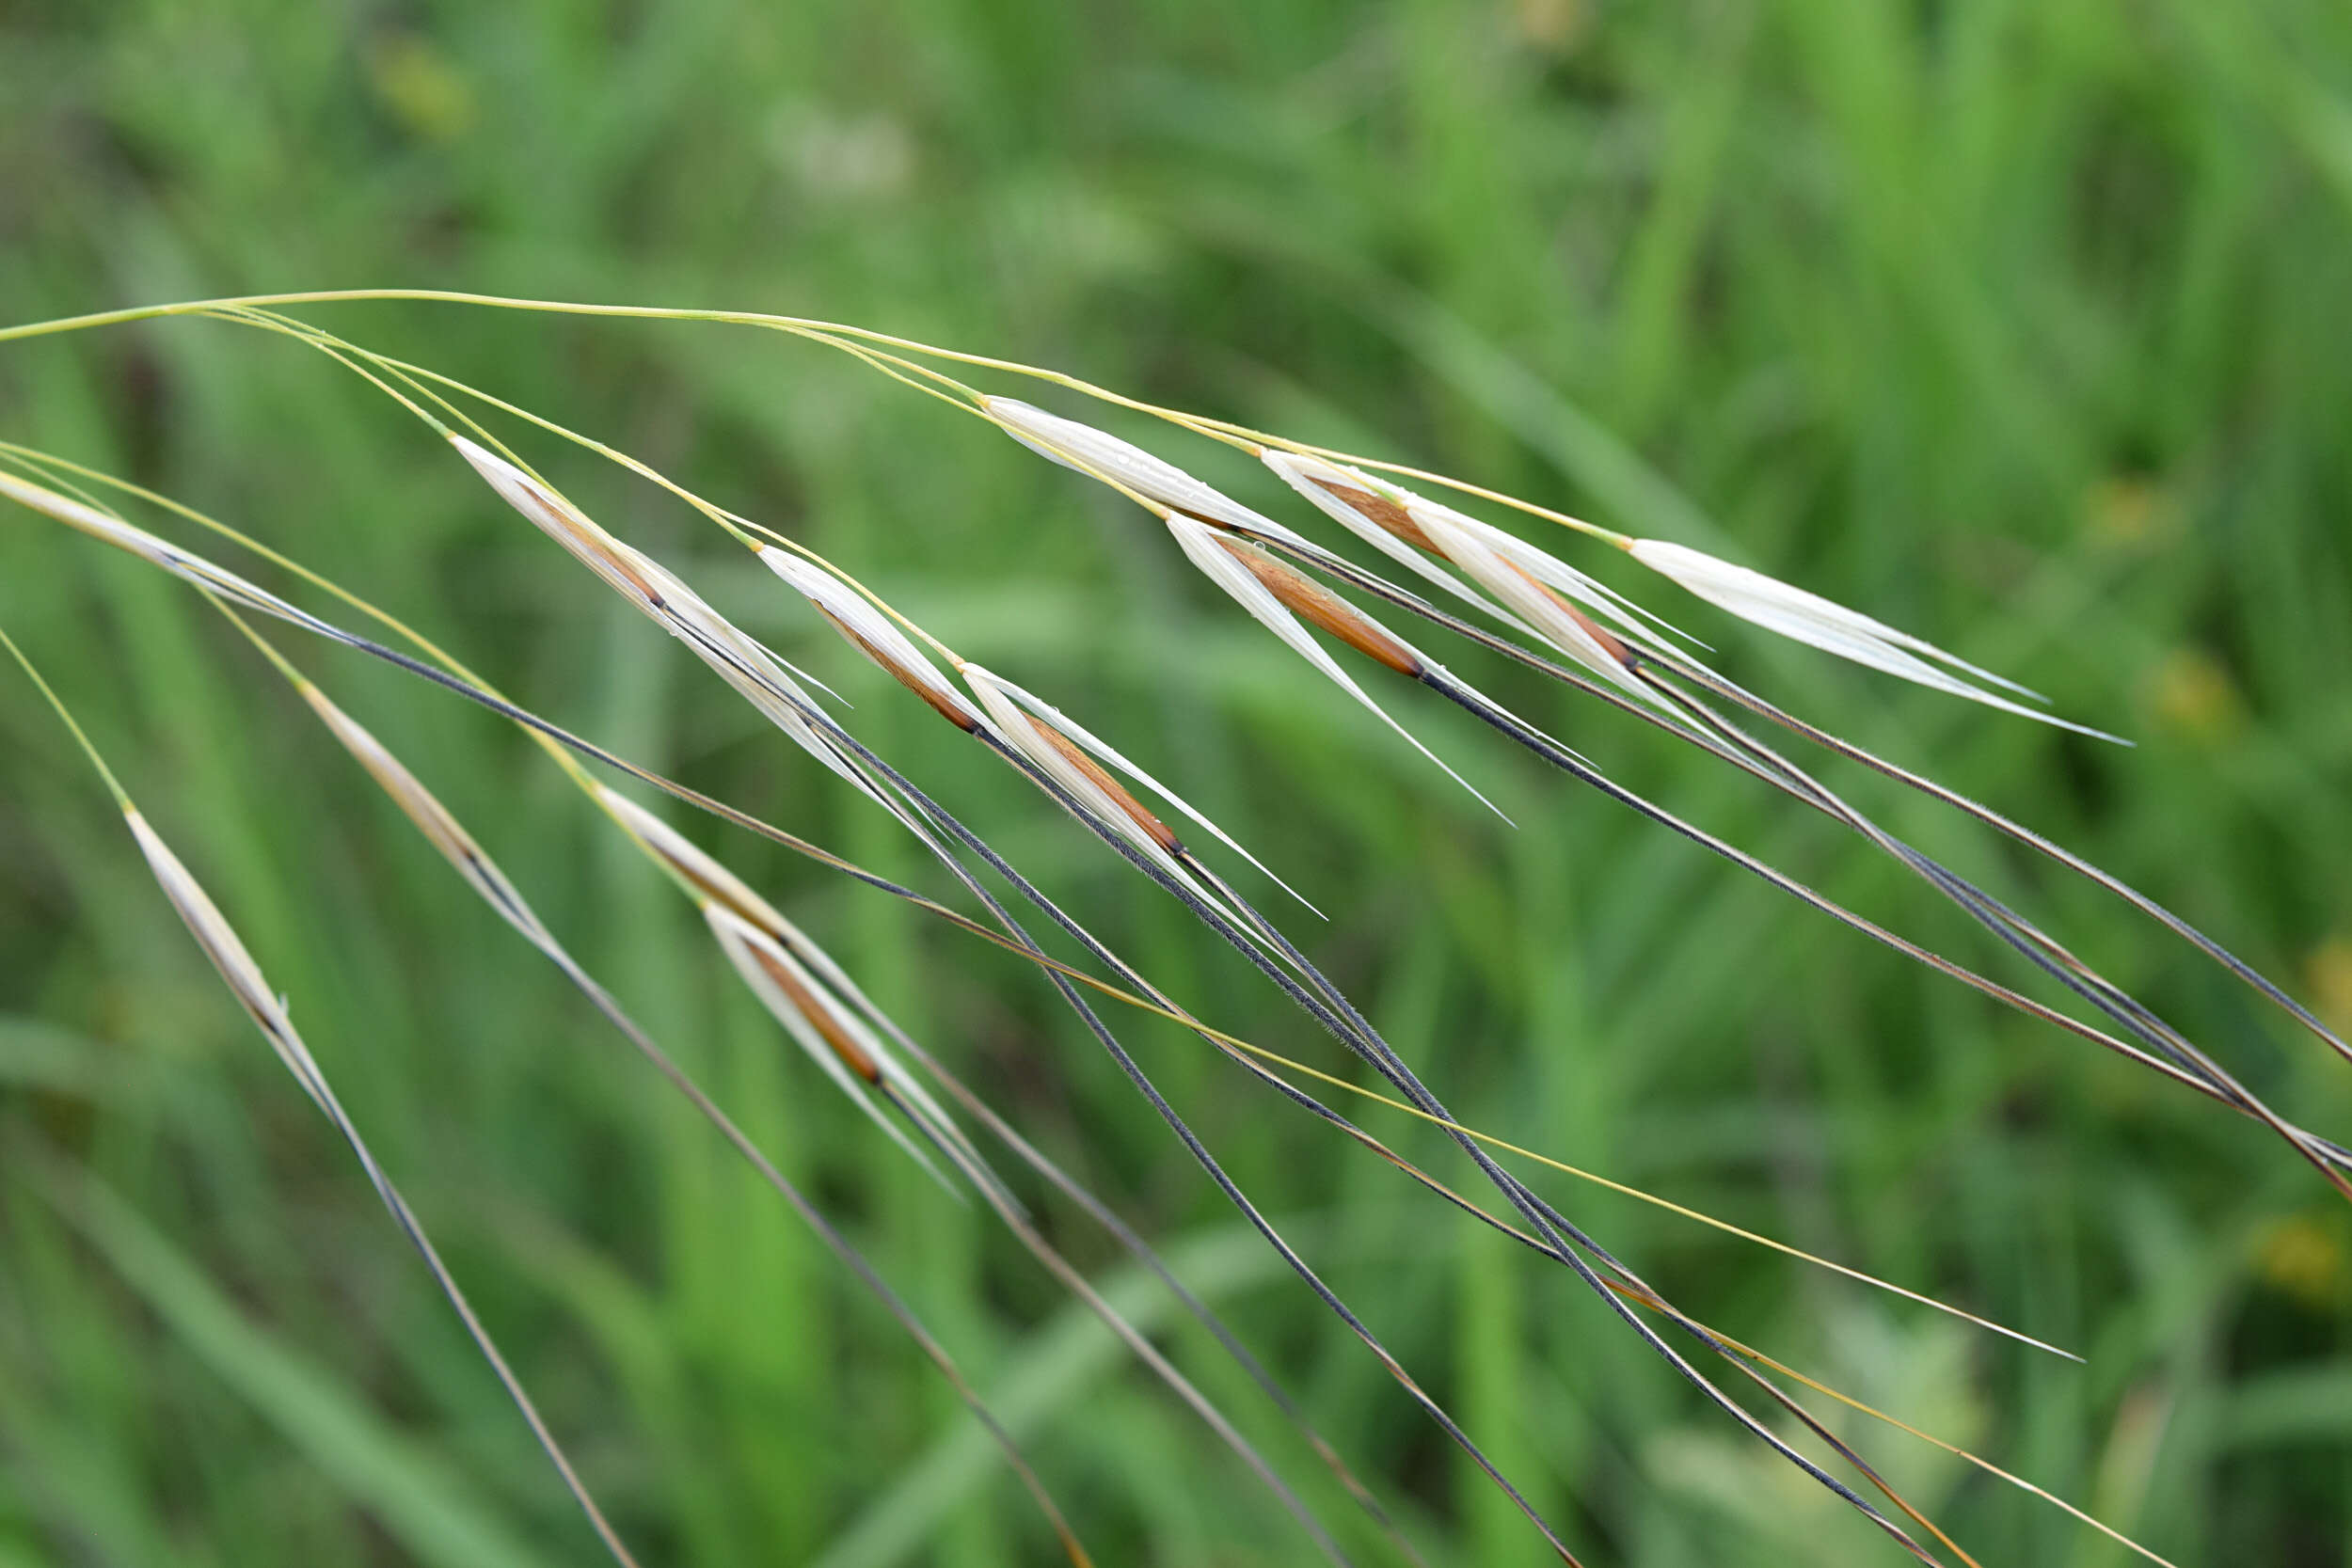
(1611, 643)
(1381, 509)
(1139, 814)
(1303, 596)
(813, 1008)
(899, 672)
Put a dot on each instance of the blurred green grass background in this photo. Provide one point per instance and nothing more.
(2021, 324)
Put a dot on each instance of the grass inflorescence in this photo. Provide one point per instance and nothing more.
(1512, 599)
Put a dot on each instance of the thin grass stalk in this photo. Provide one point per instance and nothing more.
(2037, 947)
(2133, 1017)
(2178, 1058)
(1193, 1145)
(229, 957)
(2040, 845)
(707, 882)
(1564, 1237)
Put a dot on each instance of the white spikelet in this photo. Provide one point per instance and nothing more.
(808, 1012)
(1309, 476)
(706, 875)
(1111, 807)
(181, 564)
(1531, 601)
(1206, 550)
(434, 819)
(1106, 456)
(1104, 750)
(1809, 618)
(220, 944)
(875, 633)
(716, 887)
(678, 609)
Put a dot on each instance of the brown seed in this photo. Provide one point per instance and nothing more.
(813, 1008)
(1611, 643)
(1303, 596)
(1381, 509)
(927, 689)
(1137, 811)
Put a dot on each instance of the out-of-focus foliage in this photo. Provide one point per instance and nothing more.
(2021, 324)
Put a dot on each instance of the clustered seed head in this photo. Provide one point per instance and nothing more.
(1529, 587)
(1392, 518)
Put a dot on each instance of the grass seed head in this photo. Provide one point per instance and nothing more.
(1303, 596)
(625, 569)
(737, 659)
(824, 1014)
(434, 819)
(1069, 766)
(826, 1028)
(1352, 498)
(1098, 452)
(230, 956)
(1095, 757)
(439, 826)
(710, 879)
(1809, 618)
(872, 633)
(1212, 551)
(181, 564)
(1402, 524)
